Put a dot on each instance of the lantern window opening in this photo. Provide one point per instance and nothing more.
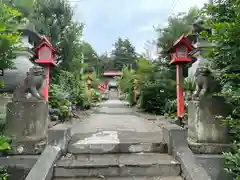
(182, 51)
(45, 53)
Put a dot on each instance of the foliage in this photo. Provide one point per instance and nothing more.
(95, 80)
(69, 45)
(59, 99)
(124, 54)
(54, 19)
(125, 81)
(10, 20)
(144, 69)
(91, 57)
(4, 145)
(95, 95)
(155, 94)
(177, 25)
(3, 174)
(224, 20)
(76, 88)
(106, 63)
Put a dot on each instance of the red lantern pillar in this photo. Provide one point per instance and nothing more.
(179, 56)
(179, 82)
(46, 55)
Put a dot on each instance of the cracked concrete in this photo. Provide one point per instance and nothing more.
(111, 128)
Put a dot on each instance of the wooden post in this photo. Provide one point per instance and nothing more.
(89, 86)
(180, 100)
(134, 93)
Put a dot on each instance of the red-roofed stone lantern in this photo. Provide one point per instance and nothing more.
(46, 54)
(179, 56)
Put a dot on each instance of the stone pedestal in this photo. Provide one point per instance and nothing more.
(205, 126)
(27, 125)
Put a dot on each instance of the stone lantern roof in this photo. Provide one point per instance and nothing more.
(28, 29)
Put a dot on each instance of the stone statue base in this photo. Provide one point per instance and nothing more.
(27, 125)
(205, 120)
(208, 148)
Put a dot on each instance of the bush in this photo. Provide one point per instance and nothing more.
(59, 100)
(95, 95)
(4, 146)
(76, 87)
(155, 95)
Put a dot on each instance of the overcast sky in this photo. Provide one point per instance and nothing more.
(106, 20)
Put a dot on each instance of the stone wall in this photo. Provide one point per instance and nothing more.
(214, 165)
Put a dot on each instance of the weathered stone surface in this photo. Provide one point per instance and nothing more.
(116, 110)
(204, 121)
(118, 165)
(22, 161)
(59, 135)
(114, 131)
(116, 141)
(125, 178)
(27, 124)
(209, 148)
(43, 169)
(214, 165)
(16, 172)
(176, 138)
(3, 103)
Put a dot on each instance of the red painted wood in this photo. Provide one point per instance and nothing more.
(46, 85)
(179, 82)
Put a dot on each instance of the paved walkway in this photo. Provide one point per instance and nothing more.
(113, 123)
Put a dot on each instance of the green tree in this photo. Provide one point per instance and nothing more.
(70, 45)
(124, 54)
(224, 20)
(177, 25)
(106, 63)
(9, 36)
(24, 6)
(90, 56)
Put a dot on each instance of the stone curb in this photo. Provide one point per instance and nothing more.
(58, 138)
(43, 169)
(176, 138)
(59, 135)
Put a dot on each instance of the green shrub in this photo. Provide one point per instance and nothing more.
(95, 95)
(155, 95)
(4, 146)
(59, 99)
(77, 88)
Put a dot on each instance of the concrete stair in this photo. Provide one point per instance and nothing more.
(118, 166)
(124, 178)
(133, 151)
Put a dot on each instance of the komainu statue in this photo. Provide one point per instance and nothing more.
(205, 83)
(31, 85)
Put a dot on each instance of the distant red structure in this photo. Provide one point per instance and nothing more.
(112, 73)
(46, 54)
(179, 56)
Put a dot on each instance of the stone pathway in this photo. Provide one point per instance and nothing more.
(113, 123)
(115, 144)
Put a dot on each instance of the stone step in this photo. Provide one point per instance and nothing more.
(124, 178)
(116, 142)
(117, 165)
(118, 148)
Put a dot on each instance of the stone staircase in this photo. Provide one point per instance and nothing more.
(114, 144)
(118, 162)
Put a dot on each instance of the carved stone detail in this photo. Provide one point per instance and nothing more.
(32, 85)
